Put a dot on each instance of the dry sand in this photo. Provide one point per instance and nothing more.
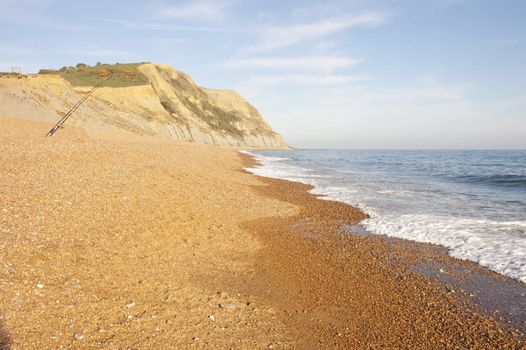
(121, 243)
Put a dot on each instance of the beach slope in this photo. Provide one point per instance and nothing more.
(113, 241)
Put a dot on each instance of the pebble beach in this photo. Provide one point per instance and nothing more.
(117, 242)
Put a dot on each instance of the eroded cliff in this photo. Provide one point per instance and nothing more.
(164, 102)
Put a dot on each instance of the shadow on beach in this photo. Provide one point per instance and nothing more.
(5, 341)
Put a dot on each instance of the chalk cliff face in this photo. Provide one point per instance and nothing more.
(169, 104)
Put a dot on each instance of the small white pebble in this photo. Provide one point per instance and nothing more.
(40, 285)
(212, 318)
(228, 306)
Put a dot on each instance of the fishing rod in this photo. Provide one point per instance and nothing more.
(60, 123)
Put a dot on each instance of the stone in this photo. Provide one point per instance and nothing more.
(79, 335)
(40, 285)
(211, 317)
(228, 306)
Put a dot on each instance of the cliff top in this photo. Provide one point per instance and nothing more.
(122, 74)
(142, 98)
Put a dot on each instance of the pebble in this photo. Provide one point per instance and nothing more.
(40, 285)
(228, 306)
(211, 317)
(79, 335)
(130, 304)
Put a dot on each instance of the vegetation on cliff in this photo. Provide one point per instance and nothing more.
(141, 98)
(122, 74)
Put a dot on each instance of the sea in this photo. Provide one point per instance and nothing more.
(473, 202)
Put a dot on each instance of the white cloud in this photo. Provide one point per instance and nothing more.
(404, 124)
(29, 13)
(303, 79)
(259, 85)
(513, 41)
(6, 50)
(167, 41)
(164, 27)
(213, 10)
(422, 92)
(7, 5)
(278, 37)
(315, 63)
(93, 52)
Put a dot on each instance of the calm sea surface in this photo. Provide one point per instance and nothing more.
(472, 202)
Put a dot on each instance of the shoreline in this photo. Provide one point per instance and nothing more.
(421, 266)
(116, 242)
(470, 230)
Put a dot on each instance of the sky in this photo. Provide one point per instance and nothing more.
(384, 74)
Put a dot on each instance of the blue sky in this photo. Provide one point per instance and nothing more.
(346, 74)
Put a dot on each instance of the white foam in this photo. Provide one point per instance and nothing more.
(498, 245)
(482, 241)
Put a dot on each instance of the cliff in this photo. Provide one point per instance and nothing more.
(157, 101)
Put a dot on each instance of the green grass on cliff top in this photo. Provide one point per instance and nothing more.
(121, 74)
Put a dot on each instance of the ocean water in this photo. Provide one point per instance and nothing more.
(472, 202)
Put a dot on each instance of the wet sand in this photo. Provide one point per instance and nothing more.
(359, 291)
(116, 242)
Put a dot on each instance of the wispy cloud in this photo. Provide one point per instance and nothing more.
(423, 93)
(259, 85)
(434, 6)
(328, 79)
(513, 41)
(167, 41)
(209, 10)
(13, 5)
(162, 26)
(96, 52)
(278, 37)
(15, 50)
(29, 13)
(315, 63)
